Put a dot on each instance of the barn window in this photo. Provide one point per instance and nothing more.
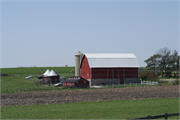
(84, 81)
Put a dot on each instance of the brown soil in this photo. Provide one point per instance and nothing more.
(132, 93)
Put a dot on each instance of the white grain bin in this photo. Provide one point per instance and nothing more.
(78, 58)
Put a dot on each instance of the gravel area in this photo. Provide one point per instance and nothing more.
(131, 93)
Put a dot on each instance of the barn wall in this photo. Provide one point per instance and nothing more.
(81, 83)
(105, 81)
(68, 84)
(78, 83)
(114, 75)
(85, 69)
(45, 79)
(54, 79)
(109, 73)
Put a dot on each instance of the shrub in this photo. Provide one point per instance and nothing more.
(163, 82)
(143, 76)
(168, 74)
(152, 76)
(148, 76)
(176, 82)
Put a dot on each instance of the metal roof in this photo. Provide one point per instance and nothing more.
(46, 73)
(52, 73)
(112, 60)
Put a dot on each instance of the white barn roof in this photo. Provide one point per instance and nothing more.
(112, 60)
(52, 73)
(46, 73)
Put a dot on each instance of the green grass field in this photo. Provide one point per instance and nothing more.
(35, 71)
(120, 109)
(10, 84)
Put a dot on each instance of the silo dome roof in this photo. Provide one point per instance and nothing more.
(79, 53)
(46, 73)
(52, 73)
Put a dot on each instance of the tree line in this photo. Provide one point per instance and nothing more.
(164, 63)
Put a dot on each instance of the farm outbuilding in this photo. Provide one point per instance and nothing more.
(45, 76)
(77, 81)
(109, 68)
(54, 77)
(51, 77)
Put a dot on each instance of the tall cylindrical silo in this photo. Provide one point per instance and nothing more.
(78, 57)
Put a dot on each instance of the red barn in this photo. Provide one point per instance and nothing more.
(109, 68)
(77, 81)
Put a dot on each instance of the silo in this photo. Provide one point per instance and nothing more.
(78, 58)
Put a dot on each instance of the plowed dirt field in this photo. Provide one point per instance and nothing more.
(131, 93)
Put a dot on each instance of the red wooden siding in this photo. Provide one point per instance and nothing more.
(45, 79)
(80, 83)
(68, 84)
(85, 69)
(55, 79)
(99, 73)
(131, 73)
(108, 73)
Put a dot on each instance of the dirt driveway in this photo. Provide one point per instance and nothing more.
(132, 93)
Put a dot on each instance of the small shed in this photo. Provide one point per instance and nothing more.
(45, 76)
(51, 77)
(77, 81)
(54, 77)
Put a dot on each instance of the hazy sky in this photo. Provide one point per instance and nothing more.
(49, 33)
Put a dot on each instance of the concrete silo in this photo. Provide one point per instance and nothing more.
(78, 58)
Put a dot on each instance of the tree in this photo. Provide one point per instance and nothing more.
(174, 62)
(152, 62)
(165, 60)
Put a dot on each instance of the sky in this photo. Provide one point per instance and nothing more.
(46, 33)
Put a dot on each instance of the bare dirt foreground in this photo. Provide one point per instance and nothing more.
(132, 93)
